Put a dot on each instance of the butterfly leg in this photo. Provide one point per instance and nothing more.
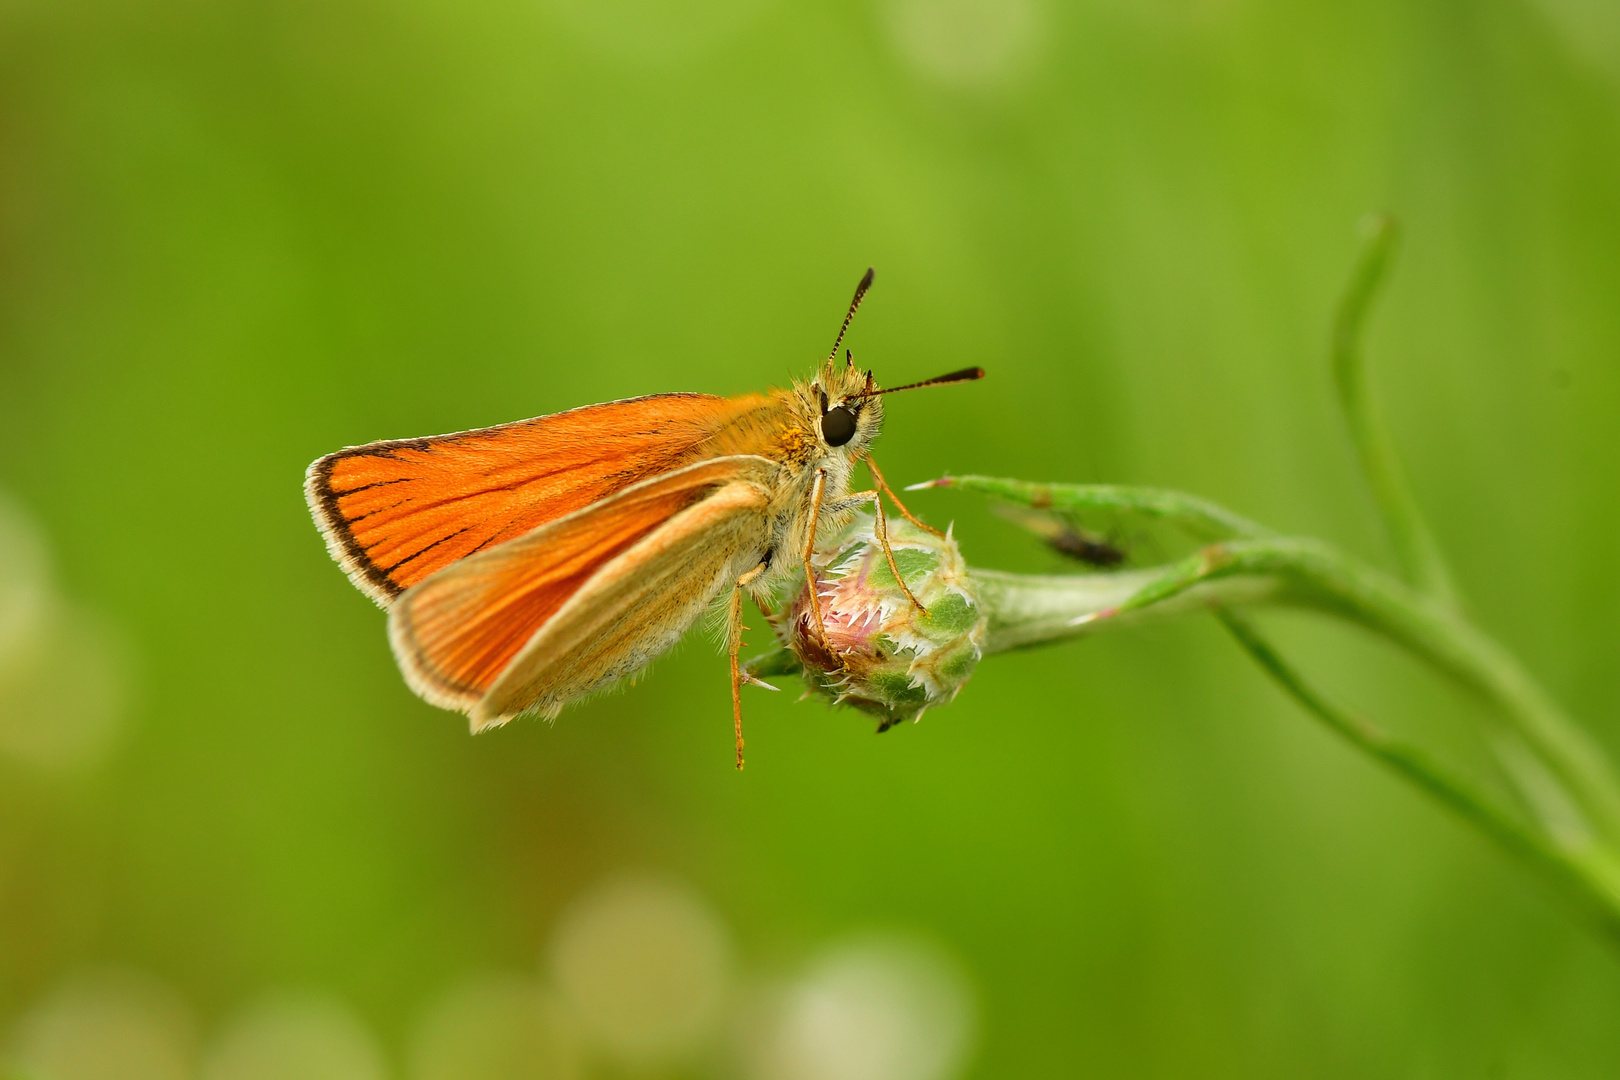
(882, 533)
(888, 552)
(883, 486)
(734, 643)
(814, 519)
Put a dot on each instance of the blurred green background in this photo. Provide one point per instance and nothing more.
(236, 236)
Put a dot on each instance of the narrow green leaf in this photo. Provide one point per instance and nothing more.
(1200, 518)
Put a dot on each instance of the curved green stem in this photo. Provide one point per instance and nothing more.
(1306, 572)
(1316, 575)
(1585, 878)
(1563, 778)
(1415, 546)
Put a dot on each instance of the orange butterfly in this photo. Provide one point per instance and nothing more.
(526, 565)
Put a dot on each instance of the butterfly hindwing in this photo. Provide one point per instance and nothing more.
(585, 599)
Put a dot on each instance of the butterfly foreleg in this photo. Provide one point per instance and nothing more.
(849, 502)
(812, 522)
(883, 486)
(734, 643)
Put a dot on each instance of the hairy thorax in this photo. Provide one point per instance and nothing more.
(785, 427)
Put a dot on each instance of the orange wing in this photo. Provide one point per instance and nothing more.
(395, 512)
(586, 599)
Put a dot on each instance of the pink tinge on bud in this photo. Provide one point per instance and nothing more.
(875, 648)
(851, 617)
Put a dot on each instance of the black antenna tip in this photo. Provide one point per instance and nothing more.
(860, 292)
(965, 375)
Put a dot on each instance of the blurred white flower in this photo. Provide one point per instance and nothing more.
(874, 1008)
(62, 703)
(302, 1037)
(494, 1027)
(105, 1025)
(645, 965)
(24, 585)
(966, 42)
(1590, 29)
(64, 668)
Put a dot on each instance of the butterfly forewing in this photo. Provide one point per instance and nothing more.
(501, 631)
(394, 513)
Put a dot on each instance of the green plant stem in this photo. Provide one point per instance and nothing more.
(1314, 574)
(1026, 611)
(1415, 547)
(1563, 778)
(1584, 879)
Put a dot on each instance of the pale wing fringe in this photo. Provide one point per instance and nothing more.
(331, 530)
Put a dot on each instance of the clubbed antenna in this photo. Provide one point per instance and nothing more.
(854, 305)
(965, 375)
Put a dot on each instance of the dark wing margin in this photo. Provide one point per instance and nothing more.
(341, 544)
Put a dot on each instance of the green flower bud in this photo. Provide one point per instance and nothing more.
(878, 652)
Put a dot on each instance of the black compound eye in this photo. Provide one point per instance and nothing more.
(837, 426)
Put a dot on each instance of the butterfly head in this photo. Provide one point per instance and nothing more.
(842, 403)
(843, 407)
